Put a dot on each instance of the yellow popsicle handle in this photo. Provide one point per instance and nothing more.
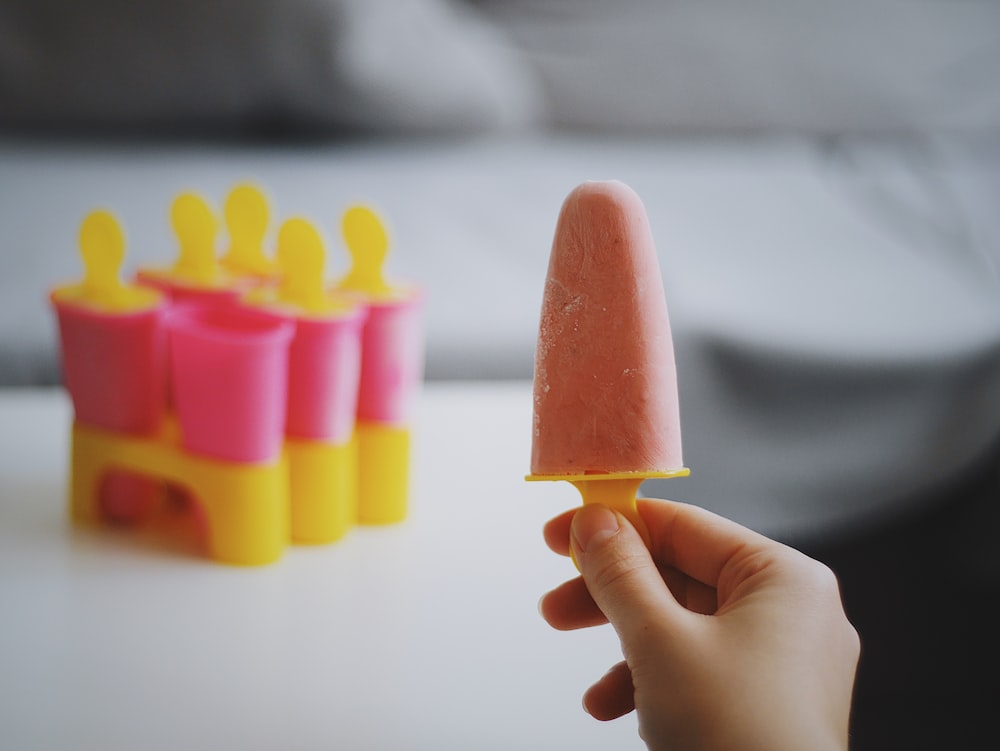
(302, 258)
(247, 216)
(618, 494)
(616, 490)
(102, 248)
(368, 244)
(196, 226)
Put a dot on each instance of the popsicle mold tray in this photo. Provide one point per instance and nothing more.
(241, 388)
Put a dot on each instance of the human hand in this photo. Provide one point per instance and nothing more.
(731, 640)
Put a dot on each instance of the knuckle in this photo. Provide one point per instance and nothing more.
(613, 569)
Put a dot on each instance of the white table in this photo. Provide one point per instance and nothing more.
(420, 636)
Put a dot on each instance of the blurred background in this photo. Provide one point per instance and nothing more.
(823, 180)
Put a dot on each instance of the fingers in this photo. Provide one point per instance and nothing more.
(612, 696)
(576, 611)
(620, 574)
(556, 532)
(688, 538)
(697, 542)
(691, 593)
(570, 606)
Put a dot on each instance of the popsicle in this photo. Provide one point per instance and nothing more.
(113, 351)
(325, 363)
(606, 408)
(391, 368)
(324, 371)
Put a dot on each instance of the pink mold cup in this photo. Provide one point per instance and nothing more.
(323, 377)
(392, 360)
(229, 377)
(114, 366)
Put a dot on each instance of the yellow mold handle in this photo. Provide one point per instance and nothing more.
(102, 250)
(195, 226)
(247, 217)
(368, 244)
(301, 291)
(301, 257)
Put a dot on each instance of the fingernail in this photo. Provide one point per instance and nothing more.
(593, 523)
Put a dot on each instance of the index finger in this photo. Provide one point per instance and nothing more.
(696, 541)
(556, 531)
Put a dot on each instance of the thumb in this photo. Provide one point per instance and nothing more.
(620, 573)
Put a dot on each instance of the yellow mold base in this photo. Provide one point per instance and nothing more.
(383, 472)
(246, 506)
(324, 489)
(314, 493)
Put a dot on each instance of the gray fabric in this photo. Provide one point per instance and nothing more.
(224, 65)
(812, 66)
(886, 66)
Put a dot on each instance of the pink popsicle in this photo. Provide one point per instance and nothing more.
(114, 351)
(606, 405)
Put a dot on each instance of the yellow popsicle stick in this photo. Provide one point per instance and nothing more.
(102, 250)
(368, 244)
(247, 216)
(195, 226)
(618, 495)
(302, 257)
(616, 490)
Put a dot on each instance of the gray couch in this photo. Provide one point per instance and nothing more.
(822, 182)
